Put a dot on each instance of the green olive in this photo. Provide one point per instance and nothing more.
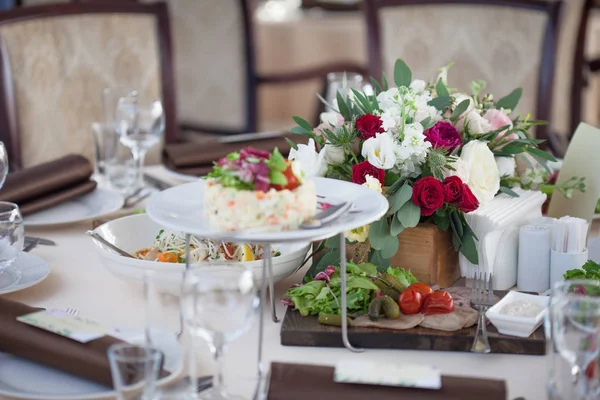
(386, 289)
(393, 282)
(390, 308)
(375, 308)
(332, 319)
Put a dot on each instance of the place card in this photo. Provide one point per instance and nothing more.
(387, 374)
(79, 329)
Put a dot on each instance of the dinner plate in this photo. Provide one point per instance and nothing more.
(181, 177)
(24, 379)
(33, 270)
(96, 204)
(181, 208)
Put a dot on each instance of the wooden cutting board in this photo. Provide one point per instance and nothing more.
(297, 330)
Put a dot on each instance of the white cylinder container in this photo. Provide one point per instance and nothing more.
(562, 262)
(533, 271)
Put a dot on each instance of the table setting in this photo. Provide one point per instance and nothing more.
(391, 256)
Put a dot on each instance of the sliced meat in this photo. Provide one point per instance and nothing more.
(401, 323)
(453, 321)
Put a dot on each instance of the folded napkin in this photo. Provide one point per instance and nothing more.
(87, 360)
(295, 381)
(48, 184)
(198, 158)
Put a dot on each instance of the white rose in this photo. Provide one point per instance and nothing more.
(311, 163)
(474, 123)
(332, 118)
(460, 170)
(379, 151)
(372, 183)
(333, 154)
(506, 166)
(418, 85)
(484, 177)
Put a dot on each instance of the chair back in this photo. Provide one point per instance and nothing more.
(507, 43)
(55, 61)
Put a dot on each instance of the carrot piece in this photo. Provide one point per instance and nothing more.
(167, 257)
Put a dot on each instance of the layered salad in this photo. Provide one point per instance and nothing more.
(253, 188)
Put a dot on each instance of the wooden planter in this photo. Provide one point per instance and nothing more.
(428, 253)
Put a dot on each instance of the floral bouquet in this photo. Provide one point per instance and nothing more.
(435, 153)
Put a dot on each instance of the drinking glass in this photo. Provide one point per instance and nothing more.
(574, 322)
(140, 126)
(12, 235)
(343, 82)
(3, 164)
(134, 370)
(218, 304)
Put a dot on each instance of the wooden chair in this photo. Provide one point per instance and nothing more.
(56, 59)
(507, 43)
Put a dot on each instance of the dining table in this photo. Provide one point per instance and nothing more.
(79, 281)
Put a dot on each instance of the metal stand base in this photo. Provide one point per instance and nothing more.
(345, 296)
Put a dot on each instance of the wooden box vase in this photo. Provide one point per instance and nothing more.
(428, 253)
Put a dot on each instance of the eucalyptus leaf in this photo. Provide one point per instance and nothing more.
(441, 89)
(402, 74)
(391, 247)
(440, 103)
(456, 241)
(379, 233)
(508, 191)
(460, 109)
(390, 178)
(395, 186)
(330, 257)
(333, 242)
(469, 247)
(396, 227)
(442, 221)
(399, 198)
(409, 214)
(511, 100)
(427, 123)
(381, 262)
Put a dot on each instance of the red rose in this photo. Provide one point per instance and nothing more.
(361, 170)
(453, 189)
(369, 126)
(428, 193)
(468, 202)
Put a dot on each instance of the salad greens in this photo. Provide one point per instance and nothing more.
(321, 295)
(590, 270)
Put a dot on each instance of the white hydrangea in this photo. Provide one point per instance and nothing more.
(412, 151)
(532, 177)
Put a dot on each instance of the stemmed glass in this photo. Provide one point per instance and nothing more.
(218, 304)
(574, 319)
(12, 235)
(3, 164)
(140, 126)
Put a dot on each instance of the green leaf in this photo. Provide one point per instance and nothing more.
(375, 85)
(402, 74)
(330, 257)
(277, 178)
(384, 82)
(399, 198)
(510, 101)
(460, 109)
(292, 144)
(409, 214)
(442, 221)
(379, 232)
(469, 248)
(456, 223)
(512, 148)
(390, 178)
(456, 241)
(441, 89)
(427, 123)
(391, 247)
(333, 242)
(381, 262)
(299, 129)
(397, 226)
(302, 123)
(508, 191)
(344, 110)
(441, 103)
(537, 153)
(395, 186)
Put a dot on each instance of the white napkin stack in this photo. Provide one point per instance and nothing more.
(496, 225)
(569, 235)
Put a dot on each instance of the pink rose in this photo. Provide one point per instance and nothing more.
(329, 120)
(498, 119)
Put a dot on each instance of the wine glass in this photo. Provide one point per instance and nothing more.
(218, 304)
(3, 164)
(575, 329)
(12, 235)
(140, 126)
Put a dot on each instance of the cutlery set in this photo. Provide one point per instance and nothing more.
(32, 242)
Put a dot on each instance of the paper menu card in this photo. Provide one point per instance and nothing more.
(387, 374)
(581, 160)
(67, 325)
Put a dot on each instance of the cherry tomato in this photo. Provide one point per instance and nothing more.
(439, 302)
(410, 301)
(167, 257)
(421, 288)
(292, 179)
(590, 371)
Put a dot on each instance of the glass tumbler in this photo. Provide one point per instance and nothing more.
(342, 82)
(12, 235)
(134, 370)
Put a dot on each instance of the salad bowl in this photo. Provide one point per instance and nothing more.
(136, 232)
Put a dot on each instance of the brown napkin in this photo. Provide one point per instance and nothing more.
(198, 158)
(301, 382)
(48, 184)
(87, 360)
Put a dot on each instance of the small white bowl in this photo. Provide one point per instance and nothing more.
(135, 232)
(517, 326)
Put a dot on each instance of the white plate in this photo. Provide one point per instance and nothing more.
(181, 177)
(181, 208)
(33, 269)
(24, 379)
(96, 204)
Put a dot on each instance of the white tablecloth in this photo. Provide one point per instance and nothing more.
(79, 281)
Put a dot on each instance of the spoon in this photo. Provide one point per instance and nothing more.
(109, 244)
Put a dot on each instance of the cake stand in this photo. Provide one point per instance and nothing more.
(181, 209)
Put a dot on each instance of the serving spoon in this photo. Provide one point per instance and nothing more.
(108, 244)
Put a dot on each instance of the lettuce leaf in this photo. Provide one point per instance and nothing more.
(406, 277)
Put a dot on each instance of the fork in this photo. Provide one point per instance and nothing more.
(72, 311)
(482, 298)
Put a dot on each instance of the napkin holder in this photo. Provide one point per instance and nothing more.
(562, 262)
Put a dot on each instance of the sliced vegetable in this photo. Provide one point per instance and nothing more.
(167, 257)
(439, 302)
(332, 319)
(422, 288)
(410, 301)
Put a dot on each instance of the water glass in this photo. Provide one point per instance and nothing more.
(134, 370)
(12, 235)
(343, 82)
(218, 304)
(140, 126)
(3, 164)
(573, 324)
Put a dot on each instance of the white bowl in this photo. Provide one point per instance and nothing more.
(136, 232)
(517, 326)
